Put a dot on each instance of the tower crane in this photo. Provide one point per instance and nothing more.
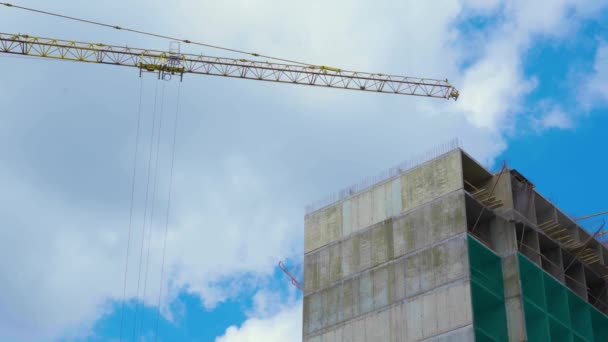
(173, 63)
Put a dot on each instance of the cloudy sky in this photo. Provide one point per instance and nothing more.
(250, 155)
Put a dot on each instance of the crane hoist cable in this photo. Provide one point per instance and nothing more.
(124, 290)
(146, 205)
(152, 204)
(116, 27)
(164, 249)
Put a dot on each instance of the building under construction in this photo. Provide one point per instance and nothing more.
(447, 251)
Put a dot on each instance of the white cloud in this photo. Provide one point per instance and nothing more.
(250, 156)
(285, 325)
(595, 89)
(555, 118)
(494, 87)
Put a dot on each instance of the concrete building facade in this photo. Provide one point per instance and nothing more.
(447, 251)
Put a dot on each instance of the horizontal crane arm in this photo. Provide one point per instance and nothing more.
(176, 63)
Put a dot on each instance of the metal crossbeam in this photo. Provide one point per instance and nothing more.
(169, 63)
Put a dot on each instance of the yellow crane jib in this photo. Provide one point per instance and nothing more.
(173, 62)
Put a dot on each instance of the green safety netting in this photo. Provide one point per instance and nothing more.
(555, 313)
(487, 293)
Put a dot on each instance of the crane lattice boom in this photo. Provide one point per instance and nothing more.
(176, 63)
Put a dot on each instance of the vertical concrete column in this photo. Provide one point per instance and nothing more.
(504, 240)
(503, 190)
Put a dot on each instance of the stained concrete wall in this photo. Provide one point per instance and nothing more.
(385, 241)
(387, 199)
(440, 315)
(432, 180)
(322, 227)
(372, 206)
(410, 276)
(391, 263)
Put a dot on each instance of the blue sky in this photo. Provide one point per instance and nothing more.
(250, 155)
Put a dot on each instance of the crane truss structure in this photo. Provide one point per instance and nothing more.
(173, 62)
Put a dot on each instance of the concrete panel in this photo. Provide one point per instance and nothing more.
(370, 207)
(347, 332)
(335, 263)
(460, 302)
(324, 267)
(429, 224)
(397, 281)
(315, 312)
(322, 227)
(338, 334)
(397, 326)
(442, 263)
(356, 297)
(413, 285)
(458, 258)
(399, 236)
(312, 276)
(429, 314)
(405, 233)
(382, 243)
(306, 316)
(379, 205)
(380, 290)
(366, 302)
(312, 231)
(347, 304)
(355, 254)
(358, 331)
(347, 217)
(427, 272)
(431, 180)
(437, 312)
(365, 250)
(377, 327)
(364, 210)
(436, 266)
(396, 205)
(330, 309)
(429, 318)
(444, 317)
(413, 320)
(447, 218)
(350, 256)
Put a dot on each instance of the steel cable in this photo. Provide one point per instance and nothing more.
(124, 290)
(143, 230)
(187, 41)
(154, 184)
(162, 267)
